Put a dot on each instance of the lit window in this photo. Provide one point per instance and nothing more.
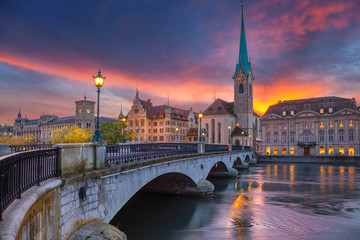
(284, 126)
(284, 150)
(268, 151)
(284, 113)
(331, 110)
(341, 124)
(275, 127)
(321, 124)
(351, 151)
(275, 150)
(292, 125)
(292, 112)
(306, 125)
(292, 150)
(331, 124)
(341, 150)
(275, 138)
(321, 110)
(331, 150)
(351, 123)
(322, 150)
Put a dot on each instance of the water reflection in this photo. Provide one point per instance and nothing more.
(281, 201)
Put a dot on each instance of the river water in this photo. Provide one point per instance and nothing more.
(268, 201)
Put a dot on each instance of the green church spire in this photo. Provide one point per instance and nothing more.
(243, 54)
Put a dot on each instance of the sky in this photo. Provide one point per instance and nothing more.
(184, 49)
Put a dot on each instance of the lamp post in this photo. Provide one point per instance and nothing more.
(99, 82)
(200, 136)
(123, 128)
(229, 127)
(242, 141)
(177, 135)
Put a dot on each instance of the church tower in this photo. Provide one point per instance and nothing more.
(243, 85)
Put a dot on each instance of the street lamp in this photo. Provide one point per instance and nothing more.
(229, 127)
(200, 116)
(123, 121)
(177, 135)
(99, 82)
(242, 140)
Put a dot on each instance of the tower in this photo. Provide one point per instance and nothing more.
(84, 114)
(243, 85)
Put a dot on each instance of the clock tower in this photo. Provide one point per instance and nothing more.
(243, 85)
(84, 114)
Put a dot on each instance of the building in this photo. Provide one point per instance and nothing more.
(314, 126)
(238, 115)
(162, 123)
(6, 131)
(43, 127)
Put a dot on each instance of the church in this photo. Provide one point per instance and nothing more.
(235, 123)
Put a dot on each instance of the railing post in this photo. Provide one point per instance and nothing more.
(57, 162)
(19, 177)
(38, 168)
(1, 190)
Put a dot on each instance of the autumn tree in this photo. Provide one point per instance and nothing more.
(71, 134)
(19, 140)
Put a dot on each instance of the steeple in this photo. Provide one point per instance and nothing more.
(243, 54)
(121, 115)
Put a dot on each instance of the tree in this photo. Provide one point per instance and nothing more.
(112, 133)
(19, 140)
(71, 134)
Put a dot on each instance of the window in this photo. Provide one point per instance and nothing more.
(276, 136)
(292, 137)
(219, 132)
(351, 136)
(267, 138)
(351, 123)
(283, 138)
(321, 124)
(284, 126)
(301, 125)
(79, 125)
(155, 138)
(306, 138)
(331, 124)
(268, 152)
(284, 113)
(331, 150)
(322, 150)
(241, 89)
(213, 130)
(88, 125)
(321, 110)
(142, 122)
(331, 137)
(292, 125)
(292, 112)
(161, 123)
(131, 123)
(341, 136)
(292, 150)
(331, 110)
(268, 126)
(306, 125)
(284, 150)
(341, 124)
(155, 124)
(161, 130)
(351, 151)
(275, 150)
(321, 137)
(341, 150)
(155, 130)
(161, 138)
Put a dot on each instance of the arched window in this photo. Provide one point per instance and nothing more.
(213, 130)
(268, 152)
(142, 122)
(292, 150)
(321, 150)
(331, 150)
(241, 89)
(131, 123)
(136, 123)
(284, 150)
(341, 150)
(237, 142)
(275, 150)
(351, 151)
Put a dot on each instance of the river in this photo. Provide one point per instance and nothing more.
(268, 201)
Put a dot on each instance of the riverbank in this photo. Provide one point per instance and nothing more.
(309, 159)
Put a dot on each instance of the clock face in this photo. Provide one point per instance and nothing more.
(80, 110)
(88, 110)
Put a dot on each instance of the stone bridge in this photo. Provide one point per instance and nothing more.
(60, 207)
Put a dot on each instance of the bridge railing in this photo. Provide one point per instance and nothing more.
(20, 171)
(28, 147)
(120, 154)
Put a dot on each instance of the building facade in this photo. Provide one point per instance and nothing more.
(238, 115)
(162, 123)
(6, 131)
(315, 126)
(43, 127)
